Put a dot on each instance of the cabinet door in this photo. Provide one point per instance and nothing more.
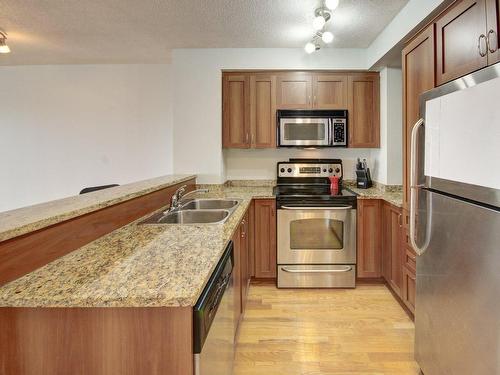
(265, 238)
(386, 243)
(364, 118)
(418, 77)
(394, 248)
(237, 277)
(461, 40)
(330, 91)
(244, 269)
(251, 239)
(409, 287)
(263, 111)
(493, 20)
(294, 91)
(235, 111)
(369, 224)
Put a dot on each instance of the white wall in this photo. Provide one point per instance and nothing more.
(198, 93)
(387, 161)
(261, 164)
(408, 18)
(66, 127)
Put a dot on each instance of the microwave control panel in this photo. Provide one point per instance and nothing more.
(339, 132)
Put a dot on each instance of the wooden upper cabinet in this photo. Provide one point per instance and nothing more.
(263, 111)
(265, 238)
(250, 100)
(369, 224)
(329, 91)
(493, 35)
(364, 108)
(418, 77)
(294, 91)
(461, 44)
(235, 111)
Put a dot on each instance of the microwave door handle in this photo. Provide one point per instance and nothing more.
(330, 132)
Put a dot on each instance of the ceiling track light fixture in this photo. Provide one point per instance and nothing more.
(4, 48)
(322, 15)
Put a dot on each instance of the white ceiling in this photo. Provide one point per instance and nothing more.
(131, 31)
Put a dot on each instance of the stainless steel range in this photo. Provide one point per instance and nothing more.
(316, 228)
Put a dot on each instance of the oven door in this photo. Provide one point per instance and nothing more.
(316, 235)
(305, 132)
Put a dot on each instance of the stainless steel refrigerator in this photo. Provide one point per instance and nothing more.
(455, 226)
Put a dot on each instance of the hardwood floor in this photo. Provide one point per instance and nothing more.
(360, 331)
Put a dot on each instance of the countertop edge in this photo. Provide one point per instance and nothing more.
(40, 223)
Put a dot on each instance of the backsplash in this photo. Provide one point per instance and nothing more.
(258, 164)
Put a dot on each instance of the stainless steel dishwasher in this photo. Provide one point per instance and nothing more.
(214, 321)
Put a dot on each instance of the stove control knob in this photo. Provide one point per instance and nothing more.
(330, 170)
(337, 170)
(289, 170)
(282, 170)
(324, 170)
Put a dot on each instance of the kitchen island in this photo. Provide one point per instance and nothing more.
(121, 304)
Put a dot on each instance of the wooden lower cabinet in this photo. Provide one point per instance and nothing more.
(409, 288)
(369, 224)
(237, 276)
(392, 247)
(265, 238)
(244, 260)
(96, 340)
(383, 250)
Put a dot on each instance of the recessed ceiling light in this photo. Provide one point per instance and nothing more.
(4, 48)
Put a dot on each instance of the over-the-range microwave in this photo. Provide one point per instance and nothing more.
(312, 128)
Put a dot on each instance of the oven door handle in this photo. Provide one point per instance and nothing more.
(317, 208)
(345, 269)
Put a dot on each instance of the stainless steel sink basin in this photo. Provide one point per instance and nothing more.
(188, 217)
(210, 204)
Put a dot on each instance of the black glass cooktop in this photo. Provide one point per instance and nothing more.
(312, 196)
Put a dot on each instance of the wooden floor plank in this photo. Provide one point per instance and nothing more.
(308, 332)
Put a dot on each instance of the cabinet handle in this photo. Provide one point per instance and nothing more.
(246, 138)
(480, 47)
(309, 99)
(488, 41)
(314, 100)
(400, 220)
(253, 138)
(243, 233)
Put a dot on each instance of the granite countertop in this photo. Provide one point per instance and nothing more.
(393, 197)
(28, 219)
(136, 265)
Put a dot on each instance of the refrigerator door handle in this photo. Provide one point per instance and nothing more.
(414, 186)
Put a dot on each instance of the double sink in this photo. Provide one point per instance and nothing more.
(196, 211)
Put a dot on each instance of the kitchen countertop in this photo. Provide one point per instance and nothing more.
(393, 197)
(28, 219)
(136, 265)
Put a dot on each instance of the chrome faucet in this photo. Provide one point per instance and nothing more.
(179, 196)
